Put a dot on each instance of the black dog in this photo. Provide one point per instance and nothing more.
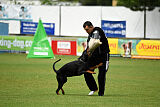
(74, 68)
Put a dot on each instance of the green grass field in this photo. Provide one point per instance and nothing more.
(32, 83)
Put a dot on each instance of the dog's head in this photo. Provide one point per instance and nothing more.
(84, 56)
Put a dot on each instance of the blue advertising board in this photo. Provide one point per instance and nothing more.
(30, 28)
(114, 29)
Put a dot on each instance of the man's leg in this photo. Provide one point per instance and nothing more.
(91, 83)
(102, 76)
(101, 80)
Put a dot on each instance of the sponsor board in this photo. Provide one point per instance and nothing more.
(30, 28)
(114, 28)
(113, 45)
(124, 47)
(81, 45)
(16, 43)
(148, 48)
(64, 47)
(127, 47)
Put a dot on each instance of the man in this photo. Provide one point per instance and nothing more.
(100, 54)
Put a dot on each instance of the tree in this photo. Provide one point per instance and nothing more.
(51, 2)
(139, 5)
(96, 2)
(46, 2)
(83, 2)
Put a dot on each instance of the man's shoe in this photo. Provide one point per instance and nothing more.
(100, 94)
(92, 92)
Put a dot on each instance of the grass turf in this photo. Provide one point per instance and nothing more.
(32, 83)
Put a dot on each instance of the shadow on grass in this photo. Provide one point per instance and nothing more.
(96, 95)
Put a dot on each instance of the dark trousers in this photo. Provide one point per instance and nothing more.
(91, 83)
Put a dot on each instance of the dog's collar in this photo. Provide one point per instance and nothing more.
(81, 60)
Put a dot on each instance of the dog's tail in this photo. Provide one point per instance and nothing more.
(54, 65)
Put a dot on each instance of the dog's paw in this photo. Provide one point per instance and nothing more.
(57, 92)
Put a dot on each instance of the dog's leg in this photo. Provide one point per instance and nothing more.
(62, 91)
(91, 72)
(99, 65)
(92, 68)
(57, 92)
(64, 81)
(59, 87)
(60, 84)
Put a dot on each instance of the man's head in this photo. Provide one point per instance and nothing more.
(88, 27)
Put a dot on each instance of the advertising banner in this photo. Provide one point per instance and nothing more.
(15, 43)
(40, 47)
(127, 47)
(64, 47)
(148, 48)
(15, 12)
(114, 28)
(30, 28)
(81, 45)
(113, 45)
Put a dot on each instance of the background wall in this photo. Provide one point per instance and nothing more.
(69, 19)
(134, 20)
(153, 24)
(72, 19)
(3, 28)
(13, 26)
(48, 14)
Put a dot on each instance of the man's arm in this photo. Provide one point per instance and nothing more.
(94, 42)
(96, 35)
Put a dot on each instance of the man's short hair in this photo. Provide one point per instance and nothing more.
(87, 23)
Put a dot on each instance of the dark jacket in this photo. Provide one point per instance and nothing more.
(100, 54)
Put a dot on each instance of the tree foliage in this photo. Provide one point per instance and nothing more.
(83, 2)
(46, 2)
(139, 4)
(96, 2)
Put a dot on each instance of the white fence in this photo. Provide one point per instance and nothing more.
(69, 19)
